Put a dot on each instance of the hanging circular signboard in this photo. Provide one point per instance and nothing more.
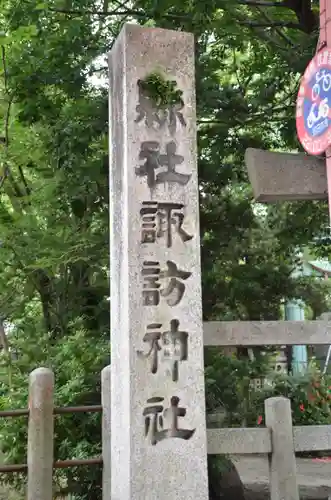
(313, 111)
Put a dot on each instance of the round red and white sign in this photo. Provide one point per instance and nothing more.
(313, 111)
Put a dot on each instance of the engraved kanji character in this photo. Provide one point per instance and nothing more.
(158, 219)
(173, 344)
(152, 289)
(154, 421)
(150, 152)
(146, 108)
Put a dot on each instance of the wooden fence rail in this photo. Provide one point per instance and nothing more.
(279, 439)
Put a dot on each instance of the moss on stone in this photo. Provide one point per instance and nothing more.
(163, 92)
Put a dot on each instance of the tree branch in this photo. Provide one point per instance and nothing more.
(121, 4)
(5, 346)
(105, 6)
(25, 182)
(5, 74)
(278, 31)
(137, 13)
(72, 12)
(272, 24)
(7, 172)
(260, 3)
(308, 19)
(10, 98)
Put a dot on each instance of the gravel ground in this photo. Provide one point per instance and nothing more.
(314, 478)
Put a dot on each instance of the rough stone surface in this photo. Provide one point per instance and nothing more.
(285, 177)
(40, 435)
(261, 492)
(173, 468)
(238, 440)
(314, 478)
(312, 438)
(254, 333)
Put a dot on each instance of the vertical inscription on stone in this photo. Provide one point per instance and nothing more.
(159, 219)
(157, 345)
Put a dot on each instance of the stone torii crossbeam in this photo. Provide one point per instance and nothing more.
(285, 176)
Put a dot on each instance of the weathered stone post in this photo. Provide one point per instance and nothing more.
(282, 465)
(41, 435)
(106, 429)
(157, 380)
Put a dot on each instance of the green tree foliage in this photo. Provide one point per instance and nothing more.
(54, 185)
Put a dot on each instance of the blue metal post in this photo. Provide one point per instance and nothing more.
(295, 311)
